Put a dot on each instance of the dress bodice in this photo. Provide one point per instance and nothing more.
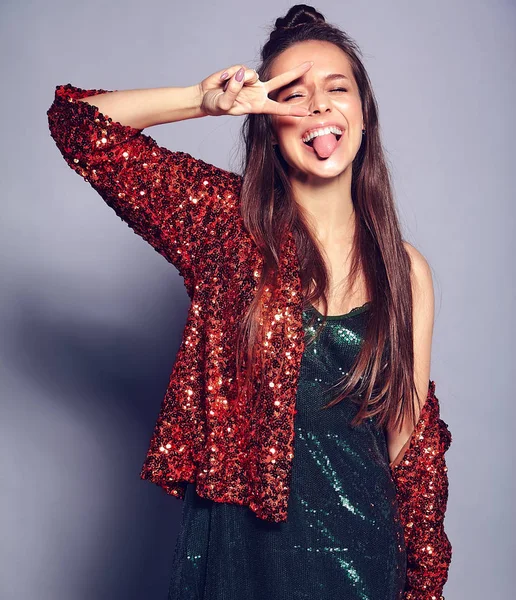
(342, 537)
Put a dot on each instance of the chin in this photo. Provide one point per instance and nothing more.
(326, 169)
(333, 166)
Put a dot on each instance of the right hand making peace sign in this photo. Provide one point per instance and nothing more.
(250, 95)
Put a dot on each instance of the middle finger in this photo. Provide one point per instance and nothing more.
(290, 75)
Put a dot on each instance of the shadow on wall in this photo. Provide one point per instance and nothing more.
(93, 528)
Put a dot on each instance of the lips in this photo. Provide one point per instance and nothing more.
(309, 146)
(310, 143)
(317, 126)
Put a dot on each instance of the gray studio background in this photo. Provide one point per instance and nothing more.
(91, 316)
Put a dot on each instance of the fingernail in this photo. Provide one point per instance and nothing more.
(240, 74)
(224, 75)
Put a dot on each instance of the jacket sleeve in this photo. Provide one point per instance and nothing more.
(170, 199)
(421, 479)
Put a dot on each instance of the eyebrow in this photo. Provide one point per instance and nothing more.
(326, 78)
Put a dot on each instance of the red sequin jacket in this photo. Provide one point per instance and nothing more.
(188, 211)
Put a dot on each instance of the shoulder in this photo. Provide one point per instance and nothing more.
(421, 275)
(422, 302)
(422, 319)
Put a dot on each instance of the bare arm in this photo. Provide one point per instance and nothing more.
(144, 108)
(423, 319)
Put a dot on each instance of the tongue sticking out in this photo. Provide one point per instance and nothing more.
(324, 145)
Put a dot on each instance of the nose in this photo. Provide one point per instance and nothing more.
(319, 103)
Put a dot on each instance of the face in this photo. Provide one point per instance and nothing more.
(331, 101)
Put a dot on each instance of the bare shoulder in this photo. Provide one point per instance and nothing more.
(423, 319)
(421, 274)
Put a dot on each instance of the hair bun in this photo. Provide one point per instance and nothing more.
(299, 14)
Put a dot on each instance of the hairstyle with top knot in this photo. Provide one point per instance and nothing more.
(381, 380)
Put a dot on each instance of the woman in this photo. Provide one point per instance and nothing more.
(303, 475)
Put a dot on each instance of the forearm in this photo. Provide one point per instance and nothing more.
(144, 108)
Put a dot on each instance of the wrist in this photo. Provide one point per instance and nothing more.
(195, 97)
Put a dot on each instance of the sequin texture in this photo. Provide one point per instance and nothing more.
(342, 538)
(421, 479)
(188, 211)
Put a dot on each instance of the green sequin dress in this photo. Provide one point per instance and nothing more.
(342, 538)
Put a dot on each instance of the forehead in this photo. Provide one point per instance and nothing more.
(327, 58)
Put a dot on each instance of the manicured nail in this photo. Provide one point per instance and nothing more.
(224, 75)
(240, 74)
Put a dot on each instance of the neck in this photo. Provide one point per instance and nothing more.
(327, 205)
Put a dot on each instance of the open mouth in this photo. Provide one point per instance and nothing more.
(310, 146)
(311, 142)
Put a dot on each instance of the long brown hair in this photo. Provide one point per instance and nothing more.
(382, 378)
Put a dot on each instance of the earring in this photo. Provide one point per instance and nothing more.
(363, 131)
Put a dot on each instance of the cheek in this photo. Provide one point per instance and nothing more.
(283, 122)
(286, 130)
(351, 108)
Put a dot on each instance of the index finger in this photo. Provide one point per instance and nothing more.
(283, 109)
(284, 78)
